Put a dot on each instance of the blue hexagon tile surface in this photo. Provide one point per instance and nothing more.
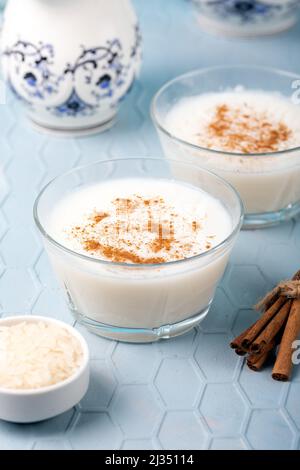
(191, 392)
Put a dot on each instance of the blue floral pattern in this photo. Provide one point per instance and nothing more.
(246, 11)
(33, 63)
(137, 46)
(72, 107)
(98, 72)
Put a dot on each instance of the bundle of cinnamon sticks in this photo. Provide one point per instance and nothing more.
(278, 327)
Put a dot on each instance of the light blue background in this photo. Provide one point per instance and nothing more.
(191, 392)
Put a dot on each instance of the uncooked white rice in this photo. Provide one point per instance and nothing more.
(37, 354)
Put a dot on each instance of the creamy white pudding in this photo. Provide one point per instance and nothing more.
(244, 136)
(238, 121)
(139, 244)
(121, 239)
(140, 221)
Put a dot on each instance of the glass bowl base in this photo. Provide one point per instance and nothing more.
(269, 219)
(141, 335)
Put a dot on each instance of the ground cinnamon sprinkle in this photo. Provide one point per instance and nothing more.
(119, 255)
(245, 130)
(125, 204)
(99, 216)
(140, 231)
(92, 245)
(162, 243)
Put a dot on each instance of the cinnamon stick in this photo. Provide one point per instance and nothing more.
(271, 330)
(237, 342)
(266, 302)
(283, 365)
(258, 326)
(257, 365)
(284, 288)
(256, 361)
(240, 352)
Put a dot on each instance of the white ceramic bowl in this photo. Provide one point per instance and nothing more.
(29, 406)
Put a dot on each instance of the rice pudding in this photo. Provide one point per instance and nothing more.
(156, 222)
(251, 128)
(139, 258)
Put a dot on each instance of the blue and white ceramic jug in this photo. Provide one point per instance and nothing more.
(70, 62)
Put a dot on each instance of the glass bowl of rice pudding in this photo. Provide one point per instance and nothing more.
(242, 123)
(139, 245)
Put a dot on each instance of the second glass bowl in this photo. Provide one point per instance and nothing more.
(268, 183)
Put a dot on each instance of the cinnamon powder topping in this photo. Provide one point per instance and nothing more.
(140, 231)
(92, 245)
(195, 225)
(99, 216)
(244, 130)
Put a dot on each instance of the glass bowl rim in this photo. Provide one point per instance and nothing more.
(234, 231)
(202, 71)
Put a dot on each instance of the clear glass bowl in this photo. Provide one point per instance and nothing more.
(268, 183)
(131, 302)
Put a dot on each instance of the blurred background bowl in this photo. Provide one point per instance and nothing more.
(247, 17)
